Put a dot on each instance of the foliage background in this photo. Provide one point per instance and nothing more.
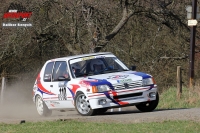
(151, 34)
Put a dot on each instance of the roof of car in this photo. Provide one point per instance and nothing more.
(78, 56)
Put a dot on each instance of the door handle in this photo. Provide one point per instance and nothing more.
(51, 85)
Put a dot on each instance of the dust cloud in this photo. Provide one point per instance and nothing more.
(17, 101)
(17, 105)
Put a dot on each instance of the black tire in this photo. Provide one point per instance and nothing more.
(82, 106)
(148, 106)
(42, 108)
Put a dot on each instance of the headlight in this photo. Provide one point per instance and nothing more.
(148, 81)
(100, 88)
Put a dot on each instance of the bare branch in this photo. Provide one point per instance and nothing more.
(183, 57)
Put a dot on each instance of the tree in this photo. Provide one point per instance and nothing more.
(151, 34)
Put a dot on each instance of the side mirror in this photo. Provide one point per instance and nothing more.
(47, 79)
(133, 68)
(62, 78)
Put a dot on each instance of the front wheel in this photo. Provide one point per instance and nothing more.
(148, 106)
(42, 108)
(83, 106)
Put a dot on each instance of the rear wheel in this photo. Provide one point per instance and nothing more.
(148, 106)
(83, 106)
(42, 108)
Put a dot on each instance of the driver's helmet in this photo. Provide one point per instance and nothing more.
(97, 65)
(75, 67)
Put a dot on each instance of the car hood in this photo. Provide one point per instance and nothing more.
(117, 77)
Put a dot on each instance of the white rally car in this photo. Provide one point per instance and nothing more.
(92, 83)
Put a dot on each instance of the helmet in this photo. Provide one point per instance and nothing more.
(75, 66)
(96, 62)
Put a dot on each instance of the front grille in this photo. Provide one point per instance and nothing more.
(133, 84)
(128, 95)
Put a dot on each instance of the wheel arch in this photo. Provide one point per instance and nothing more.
(38, 94)
(79, 91)
(83, 90)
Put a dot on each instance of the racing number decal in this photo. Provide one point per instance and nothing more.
(63, 94)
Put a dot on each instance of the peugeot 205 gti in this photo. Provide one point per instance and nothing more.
(92, 84)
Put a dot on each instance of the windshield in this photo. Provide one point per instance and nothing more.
(94, 65)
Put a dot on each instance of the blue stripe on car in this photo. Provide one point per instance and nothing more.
(108, 96)
(143, 75)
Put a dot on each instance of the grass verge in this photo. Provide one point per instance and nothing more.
(83, 127)
(189, 99)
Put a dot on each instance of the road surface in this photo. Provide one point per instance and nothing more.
(13, 114)
(17, 105)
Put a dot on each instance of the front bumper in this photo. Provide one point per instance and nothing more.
(121, 98)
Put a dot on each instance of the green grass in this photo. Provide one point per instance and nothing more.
(89, 127)
(189, 99)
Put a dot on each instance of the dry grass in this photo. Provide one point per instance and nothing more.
(190, 98)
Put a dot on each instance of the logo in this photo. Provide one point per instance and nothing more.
(124, 81)
(88, 58)
(126, 85)
(115, 77)
(63, 94)
(19, 14)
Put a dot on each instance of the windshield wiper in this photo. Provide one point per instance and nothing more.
(85, 74)
(110, 71)
(115, 70)
(101, 72)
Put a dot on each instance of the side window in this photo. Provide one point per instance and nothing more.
(60, 69)
(48, 72)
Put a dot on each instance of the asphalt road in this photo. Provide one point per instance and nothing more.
(18, 106)
(126, 115)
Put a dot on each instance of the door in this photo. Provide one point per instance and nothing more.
(60, 88)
